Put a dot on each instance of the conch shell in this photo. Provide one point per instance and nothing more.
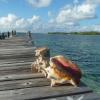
(63, 71)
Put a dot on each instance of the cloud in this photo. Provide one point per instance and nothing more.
(35, 24)
(39, 3)
(76, 13)
(93, 1)
(7, 22)
(49, 13)
(13, 22)
(69, 16)
(95, 27)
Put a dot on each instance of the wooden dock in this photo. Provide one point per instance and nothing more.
(17, 82)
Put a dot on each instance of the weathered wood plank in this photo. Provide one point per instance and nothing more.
(37, 93)
(19, 54)
(13, 77)
(17, 49)
(15, 68)
(14, 64)
(19, 70)
(23, 83)
(14, 52)
(16, 60)
(15, 42)
(85, 96)
(16, 46)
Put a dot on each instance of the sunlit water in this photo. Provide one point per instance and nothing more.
(82, 49)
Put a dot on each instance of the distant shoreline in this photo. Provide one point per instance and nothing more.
(76, 33)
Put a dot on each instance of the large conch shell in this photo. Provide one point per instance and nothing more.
(63, 71)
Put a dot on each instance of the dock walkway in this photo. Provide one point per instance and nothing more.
(17, 82)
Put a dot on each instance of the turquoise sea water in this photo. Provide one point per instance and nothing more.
(82, 49)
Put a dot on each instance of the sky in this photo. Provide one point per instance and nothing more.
(42, 16)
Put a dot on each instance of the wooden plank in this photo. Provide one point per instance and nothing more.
(13, 77)
(16, 52)
(23, 83)
(15, 64)
(16, 60)
(15, 70)
(14, 56)
(15, 41)
(17, 49)
(20, 53)
(37, 93)
(85, 96)
(17, 56)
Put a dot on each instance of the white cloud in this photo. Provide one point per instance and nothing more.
(93, 1)
(69, 16)
(13, 22)
(76, 13)
(35, 24)
(40, 3)
(7, 20)
(34, 19)
(95, 27)
(49, 13)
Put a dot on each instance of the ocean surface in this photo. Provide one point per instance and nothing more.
(84, 50)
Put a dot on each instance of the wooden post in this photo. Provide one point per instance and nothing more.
(30, 40)
(11, 34)
(0, 37)
(30, 35)
(8, 34)
(3, 36)
(42, 58)
(14, 33)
